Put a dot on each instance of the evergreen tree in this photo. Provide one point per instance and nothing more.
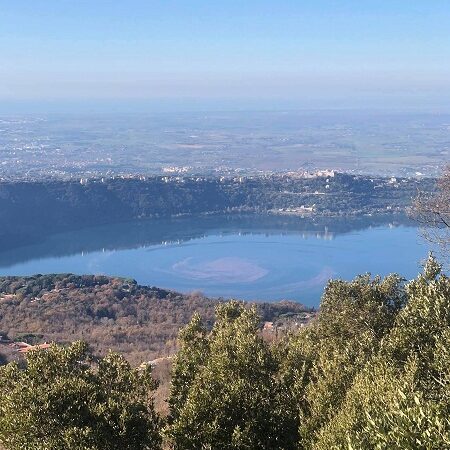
(62, 400)
(232, 398)
(320, 363)
(401, 398)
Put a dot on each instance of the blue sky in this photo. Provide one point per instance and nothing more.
(245, 53)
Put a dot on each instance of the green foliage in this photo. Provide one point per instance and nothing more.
(229, 389)
(322, 361)
(401, 398)
(63, 400)
(194, 349)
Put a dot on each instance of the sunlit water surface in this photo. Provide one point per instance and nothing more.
(248, 258)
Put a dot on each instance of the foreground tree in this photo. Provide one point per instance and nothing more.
(401, 398)
(433, 212)
(320, 363)
(62, 400)
(230, 397)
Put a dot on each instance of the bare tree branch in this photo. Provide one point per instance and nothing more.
(432, 211)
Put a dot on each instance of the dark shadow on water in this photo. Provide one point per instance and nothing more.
(136, 234)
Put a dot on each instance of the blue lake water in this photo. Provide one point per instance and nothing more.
(248, 258)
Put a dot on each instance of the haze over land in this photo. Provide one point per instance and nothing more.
(223, 143)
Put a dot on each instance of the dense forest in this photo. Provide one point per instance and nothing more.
(30, 209)
(371, 371)
(109, 313)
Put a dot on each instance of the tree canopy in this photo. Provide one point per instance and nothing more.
(225, 392)
(64, 400)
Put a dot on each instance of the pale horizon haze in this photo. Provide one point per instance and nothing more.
(181, 55)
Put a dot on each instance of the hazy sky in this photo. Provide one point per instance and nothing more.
(246, 53)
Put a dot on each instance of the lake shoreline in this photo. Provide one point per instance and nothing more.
(253, 257)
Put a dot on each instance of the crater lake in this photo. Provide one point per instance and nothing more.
(244, 257)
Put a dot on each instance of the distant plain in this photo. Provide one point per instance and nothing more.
(392, 144)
